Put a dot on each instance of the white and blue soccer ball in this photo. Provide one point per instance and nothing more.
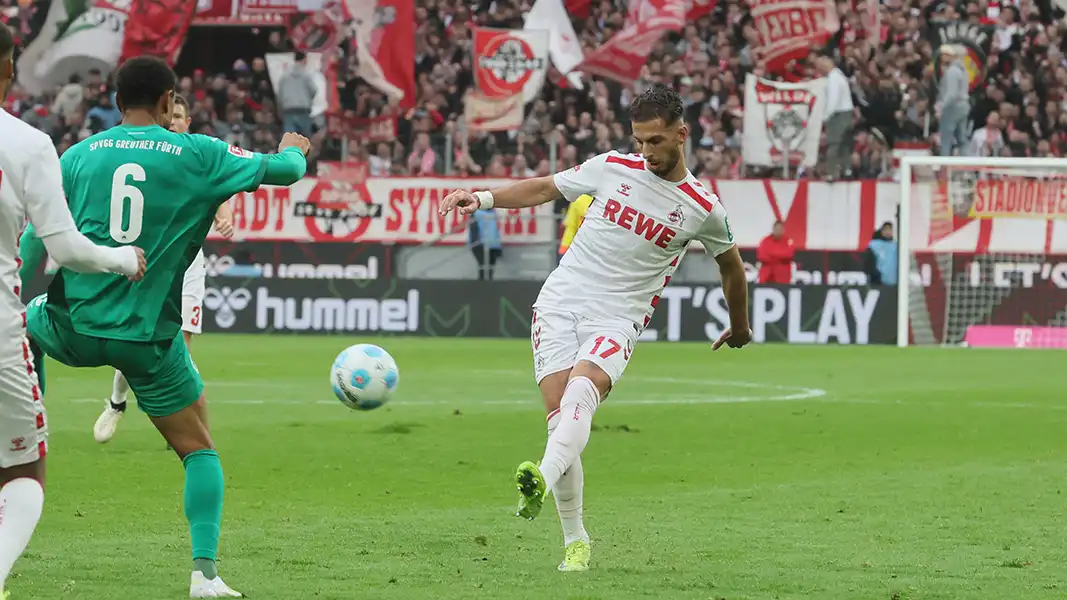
(364, 377)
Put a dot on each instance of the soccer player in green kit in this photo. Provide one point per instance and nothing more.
(138, 183)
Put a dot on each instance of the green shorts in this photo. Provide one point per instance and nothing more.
(161, 374)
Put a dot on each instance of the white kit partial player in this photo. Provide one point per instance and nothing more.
(647, 207)
(31, 189)
(193, 289)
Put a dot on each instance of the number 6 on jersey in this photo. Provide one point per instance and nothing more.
(121, 191)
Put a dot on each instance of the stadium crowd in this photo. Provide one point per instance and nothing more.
(1018, 107)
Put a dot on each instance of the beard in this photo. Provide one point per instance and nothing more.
(667, 164)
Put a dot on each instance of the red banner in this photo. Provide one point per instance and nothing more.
(357, 129)
(789, 30)
(232, 12)
(623, 56)
(157, 28)
(385, 43)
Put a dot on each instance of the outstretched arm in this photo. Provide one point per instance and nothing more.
(569, 184)
(51, 222)
(521, 194)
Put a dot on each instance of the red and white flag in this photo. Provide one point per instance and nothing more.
(789, 30)
(493, 114)
(782, 121)
(385, 46)
(623, 56)
(510, 62)
(564, 48)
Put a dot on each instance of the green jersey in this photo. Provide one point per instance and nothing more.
(151, 188)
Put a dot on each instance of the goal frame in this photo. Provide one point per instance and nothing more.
(907, 166)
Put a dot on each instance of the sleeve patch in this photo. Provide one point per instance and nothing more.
(240, 152)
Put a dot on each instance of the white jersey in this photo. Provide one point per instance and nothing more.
(31, 187)
(632, 238)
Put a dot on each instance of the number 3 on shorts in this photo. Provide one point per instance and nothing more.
(123, 230)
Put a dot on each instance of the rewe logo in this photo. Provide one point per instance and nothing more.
(638, 222)
(337, 314)
(226, 303)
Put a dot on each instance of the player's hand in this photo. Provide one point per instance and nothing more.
(224, 226)
(733, 339)
(142, 264)
(460, 200)
(295, 140)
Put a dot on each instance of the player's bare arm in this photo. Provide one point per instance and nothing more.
(735, 289)
(224, 220)
(522, 194)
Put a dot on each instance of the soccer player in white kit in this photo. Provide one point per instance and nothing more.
(31, 188)
(647, 208)
(193, 289)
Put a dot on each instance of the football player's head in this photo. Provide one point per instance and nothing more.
(147, 83)
(179, 121)
(658, 129)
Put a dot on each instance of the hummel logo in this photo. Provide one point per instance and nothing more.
(226, 302)
(624, 190)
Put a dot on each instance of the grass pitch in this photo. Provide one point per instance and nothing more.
(775, 472)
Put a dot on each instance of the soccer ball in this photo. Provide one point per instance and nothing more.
(364, 376)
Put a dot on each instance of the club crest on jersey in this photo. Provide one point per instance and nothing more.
(676, 216)
(240, 152)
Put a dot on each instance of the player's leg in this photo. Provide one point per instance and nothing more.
(24, 435)
(570, 486)
(193, 290)
(554, 338)
(114, 409)
(168, 392)
(602, 357)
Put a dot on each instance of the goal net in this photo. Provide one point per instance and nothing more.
(983, 252)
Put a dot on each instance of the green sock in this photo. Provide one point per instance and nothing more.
(203, 507)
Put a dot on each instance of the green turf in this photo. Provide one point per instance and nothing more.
(827, 473)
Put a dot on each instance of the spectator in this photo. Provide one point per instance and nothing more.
(423, 160)
(104, 115)
(839, 110)
(953, 97)
(296, 96)
(483, 238)
(880, 260)
(775, 255)
(989, 140)
(69, 99)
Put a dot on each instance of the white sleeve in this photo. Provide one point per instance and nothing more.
(74, 251)
(581, 179)
(42, 193)
(715, 233)
(46, 207)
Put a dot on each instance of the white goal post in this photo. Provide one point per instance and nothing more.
(982, 252)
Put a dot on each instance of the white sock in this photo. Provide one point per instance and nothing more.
(567, 442)
(568, 493)
(120, 389)
(21, 503)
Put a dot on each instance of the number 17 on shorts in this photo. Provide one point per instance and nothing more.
(610, 350)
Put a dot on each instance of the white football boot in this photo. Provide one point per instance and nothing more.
(202, 587)
(108, 422)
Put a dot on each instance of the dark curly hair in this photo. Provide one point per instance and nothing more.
(657, 102)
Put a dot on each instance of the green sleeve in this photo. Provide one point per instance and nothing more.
(32, 253)
(285, 168)
(229, 169)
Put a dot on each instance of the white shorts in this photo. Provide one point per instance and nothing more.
(560, 339)
(193, 294)
(23, 424)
